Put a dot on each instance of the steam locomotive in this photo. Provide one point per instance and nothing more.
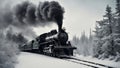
(52, 43)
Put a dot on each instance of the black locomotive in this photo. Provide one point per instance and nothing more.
(52, 43)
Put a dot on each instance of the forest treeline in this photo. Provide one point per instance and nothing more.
(105, 43)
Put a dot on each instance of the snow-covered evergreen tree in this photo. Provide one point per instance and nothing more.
(91, 43)
(104, 35)
(76, 40)
(117, 30)
(108, 46)
(99, 34)
(84, 44)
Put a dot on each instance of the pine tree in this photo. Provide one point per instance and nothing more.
(90, 43)
(104, 35)
(117, 28)
(84, 44)
(83, 38)
(75, 40)
(99, 34)
(108, 46)
(90, 36)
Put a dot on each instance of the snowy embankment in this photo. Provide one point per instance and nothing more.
(30, 60)
(104, 62)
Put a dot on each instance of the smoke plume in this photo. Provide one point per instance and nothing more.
(29, 14)
(16, 22)
(25, 15)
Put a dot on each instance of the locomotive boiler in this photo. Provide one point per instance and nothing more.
(52, 43)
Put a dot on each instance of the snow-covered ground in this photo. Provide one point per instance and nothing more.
(104, 62)
(30, 60)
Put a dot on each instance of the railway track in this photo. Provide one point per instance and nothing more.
(87, 63)
(83, 62)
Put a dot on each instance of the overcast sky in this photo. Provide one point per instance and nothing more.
(80, 15)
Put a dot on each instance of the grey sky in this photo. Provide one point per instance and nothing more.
(80, 15)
